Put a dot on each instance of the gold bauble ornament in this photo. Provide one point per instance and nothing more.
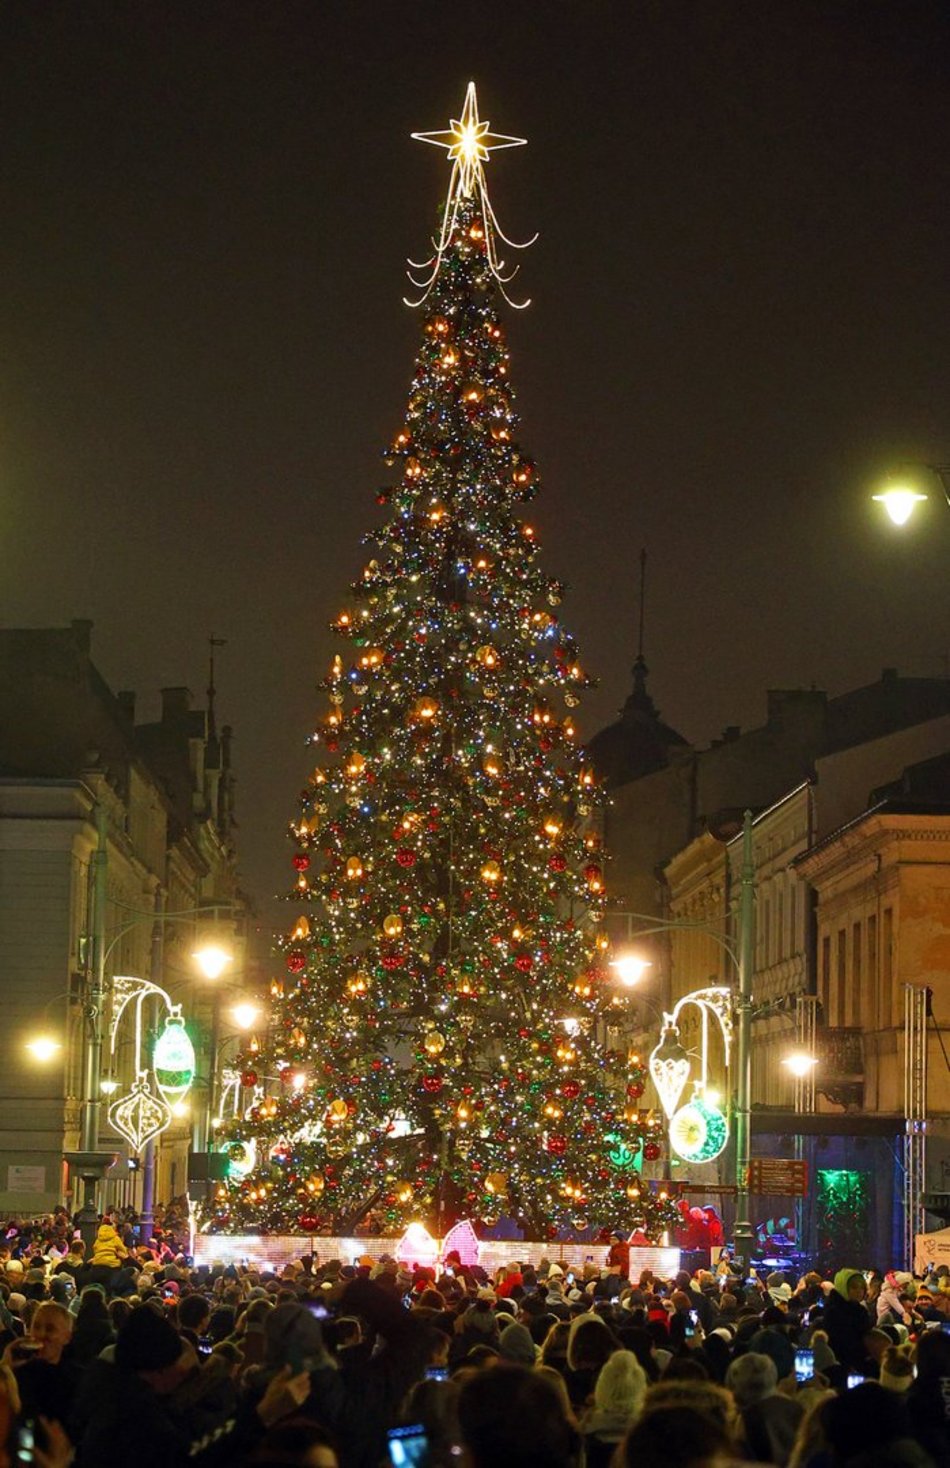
(497, 1183)
(338, 1110)
(317, 1184)
(434, 1043)
(403, 1191)
(392, 925)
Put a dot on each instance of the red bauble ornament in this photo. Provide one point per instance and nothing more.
(570, 1089)
(558, 863)
(635, 1091)
(651, 1152)
(301, 861)
(308, 1222)
(557, 1145)
(593, 872)
(249, 1078)
(523, 963)
(296, 961)
(432, 1084)
(406, 857)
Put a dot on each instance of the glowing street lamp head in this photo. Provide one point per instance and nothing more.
(800, 1063)
(630, 968)
(245, 1014)
(212, 959)
(44, 1048)
(900, 502)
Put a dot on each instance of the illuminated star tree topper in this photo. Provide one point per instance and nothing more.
(468, 143)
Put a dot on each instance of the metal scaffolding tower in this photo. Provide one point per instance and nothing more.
(915, 1114)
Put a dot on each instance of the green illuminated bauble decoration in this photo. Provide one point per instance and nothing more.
(698, 1132)
(619, 1155)
(173, 1059)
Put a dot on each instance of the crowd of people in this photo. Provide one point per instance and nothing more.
(133, 1355)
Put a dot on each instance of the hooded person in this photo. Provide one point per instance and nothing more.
(846, 1319)
(108, 1251)
(619, 1393)
(515, 1344)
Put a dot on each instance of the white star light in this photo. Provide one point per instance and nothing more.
(468, 143)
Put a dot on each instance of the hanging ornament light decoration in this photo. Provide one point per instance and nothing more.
(698, 1131)
(669, 1066)
(173, 1058)
(139, 1115)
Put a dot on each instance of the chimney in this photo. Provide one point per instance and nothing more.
(175, 703)
(82, 635)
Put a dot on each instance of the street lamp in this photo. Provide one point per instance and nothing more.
(630, 968)
(901, 496)
(800, 1063)
(245, 1014)
(741, 957)
(44, 1048)
(212, 959)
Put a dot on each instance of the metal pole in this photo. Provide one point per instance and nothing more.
(95, 990)
(156, 969)
(743, 1236)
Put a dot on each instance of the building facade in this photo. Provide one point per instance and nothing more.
(73, 763)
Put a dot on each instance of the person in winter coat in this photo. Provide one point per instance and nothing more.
(618, 1401)
(846, 1320)
(108, 1251)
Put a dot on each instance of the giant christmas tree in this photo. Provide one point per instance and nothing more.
(435, 1045)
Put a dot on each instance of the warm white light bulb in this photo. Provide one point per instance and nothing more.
(900, 502)
(212, 960)
(799, 1063)
(43, 1048)
(245, 1014)
(630, 969)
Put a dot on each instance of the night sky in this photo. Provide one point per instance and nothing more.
(739, 321)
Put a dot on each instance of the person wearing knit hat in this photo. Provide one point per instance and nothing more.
(515, 1344)
(824, 1356)
(897, 1370)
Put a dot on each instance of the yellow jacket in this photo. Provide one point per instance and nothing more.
(108, 1250)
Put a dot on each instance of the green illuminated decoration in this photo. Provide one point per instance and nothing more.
(842, 1210)
(173, 1058)
(622, 1157)
(698, 1131)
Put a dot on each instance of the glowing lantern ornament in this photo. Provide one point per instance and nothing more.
(698, 1131)
(139, 1116)
(669, 1067)
(392, 925)
(173, 1058)
(354, 868)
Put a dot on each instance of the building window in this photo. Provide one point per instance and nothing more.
(887, 968)
(779, 925)
(842, 977)
(856, 976)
